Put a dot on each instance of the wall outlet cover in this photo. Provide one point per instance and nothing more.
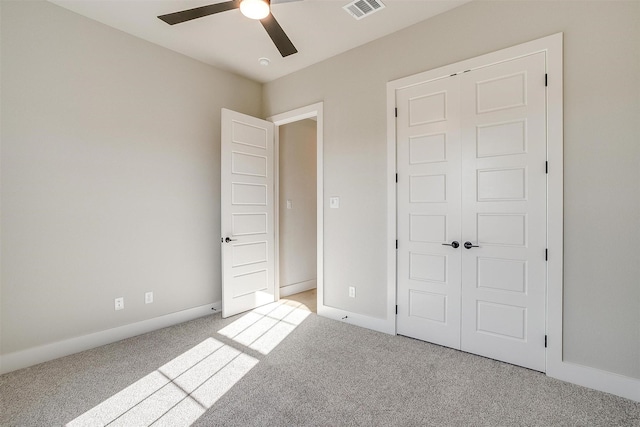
(334, 202)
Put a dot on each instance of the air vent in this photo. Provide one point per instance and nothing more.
(363, 8)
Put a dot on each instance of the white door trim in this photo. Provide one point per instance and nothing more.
(552, 46)
(308, 112)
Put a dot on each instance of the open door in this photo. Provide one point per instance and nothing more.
(247, 213)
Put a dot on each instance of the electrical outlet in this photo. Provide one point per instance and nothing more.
(148, 298)
(119, 303)
(352, 291)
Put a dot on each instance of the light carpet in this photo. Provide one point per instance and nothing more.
(283, 366)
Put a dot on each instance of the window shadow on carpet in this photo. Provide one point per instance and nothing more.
(180, 391)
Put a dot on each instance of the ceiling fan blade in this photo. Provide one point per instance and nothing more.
(199, 12)
(278, 36)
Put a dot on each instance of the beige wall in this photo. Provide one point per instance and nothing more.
(110, 175)
(602, 156)
(297, 169)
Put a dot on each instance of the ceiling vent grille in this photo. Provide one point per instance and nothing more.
(362, 8)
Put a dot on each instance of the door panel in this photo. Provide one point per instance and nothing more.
(504, 211)
(429, 212)
(247, 213)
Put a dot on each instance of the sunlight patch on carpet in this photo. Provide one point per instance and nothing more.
(182, 390)
(265, 327)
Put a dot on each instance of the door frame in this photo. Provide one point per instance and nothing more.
(552, 47)
(308, 112)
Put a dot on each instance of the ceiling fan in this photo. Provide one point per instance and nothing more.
(254, 9)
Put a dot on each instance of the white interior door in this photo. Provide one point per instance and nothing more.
(247, 213)
(428, 156)
(504, 211)
(471, 152)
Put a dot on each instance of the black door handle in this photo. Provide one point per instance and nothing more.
(470, 245)
(228, 239)
(453, 244)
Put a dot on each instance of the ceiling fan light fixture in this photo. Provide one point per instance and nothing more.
(255, 9)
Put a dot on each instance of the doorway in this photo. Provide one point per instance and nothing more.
(297, 199)
(249, 208)
(299, 179)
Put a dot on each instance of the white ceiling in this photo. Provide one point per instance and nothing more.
(319, 29)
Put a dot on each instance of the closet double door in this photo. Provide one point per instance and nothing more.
(471, 211)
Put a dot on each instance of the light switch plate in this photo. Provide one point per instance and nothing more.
(289, 204)
(334, 202)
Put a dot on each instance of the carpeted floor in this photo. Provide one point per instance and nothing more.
(283, 366)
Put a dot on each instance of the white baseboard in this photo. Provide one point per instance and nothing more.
(377, 324)
(295, 288)
(596, 379)
(32, 356)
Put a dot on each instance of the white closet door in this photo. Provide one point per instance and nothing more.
(504, 211)
(428, 157)
(471, 153)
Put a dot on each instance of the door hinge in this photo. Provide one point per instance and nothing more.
(396, 177)
(546, 167)
(546, 81)
(396, 243)
(545, 337)
(396, 112)
(396, 308)
(546, 254)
